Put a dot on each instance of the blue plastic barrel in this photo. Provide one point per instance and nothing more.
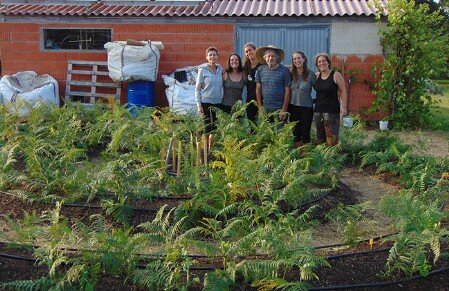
(141, 93)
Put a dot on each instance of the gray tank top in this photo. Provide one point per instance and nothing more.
(232, 91)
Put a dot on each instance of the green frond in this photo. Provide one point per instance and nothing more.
(259, 269)
(279, 284)
(217, 280)
(43, 283)
(121, 212)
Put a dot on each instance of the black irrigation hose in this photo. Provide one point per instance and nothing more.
(359, 242)
(314, 200)
(365, 285)
(381, 284)
(75, 205)
(17, 258)
(338, 256)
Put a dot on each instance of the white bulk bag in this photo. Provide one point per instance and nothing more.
(27, 89)
(181, 95)
(132, 62)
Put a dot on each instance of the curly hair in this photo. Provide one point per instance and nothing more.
(326, 56)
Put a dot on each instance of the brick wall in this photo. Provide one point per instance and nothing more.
(185, 45)
(357, 68)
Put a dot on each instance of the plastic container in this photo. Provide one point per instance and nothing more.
(383, 125)
(141, 93)
(348, 121)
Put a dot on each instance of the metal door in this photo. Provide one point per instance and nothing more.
(309, 39)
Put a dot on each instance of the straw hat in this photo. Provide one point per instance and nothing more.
(261, 51)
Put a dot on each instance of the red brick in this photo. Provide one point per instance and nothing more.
(32, 36)
(47, 67)
(199, 39)
(191, 27)
(173, 28)
(353, 59)
(18, 36)
(59, 75)
(60, 65)
(55, 56)
(373, 59)
(5, 56)
(19, 27)
(6, 46)
(18, 46)
(4, 36)
(32, 46)
(226, 38)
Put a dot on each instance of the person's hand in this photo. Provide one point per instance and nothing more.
(261, 110)
(282, 115)
(343, 112)
(200, 110)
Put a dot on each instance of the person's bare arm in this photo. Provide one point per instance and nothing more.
(287, 96)
(259, 96)
(198, 88)
(342, 94)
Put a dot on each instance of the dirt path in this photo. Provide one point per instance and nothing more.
(425, 143)
(367, 187)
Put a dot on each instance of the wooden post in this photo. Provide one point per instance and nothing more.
(178, 168)
(205, 149)
(173, 162)
(198, 153)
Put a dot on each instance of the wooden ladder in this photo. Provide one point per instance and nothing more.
(88, 82)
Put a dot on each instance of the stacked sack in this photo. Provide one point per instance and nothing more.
(132, 61)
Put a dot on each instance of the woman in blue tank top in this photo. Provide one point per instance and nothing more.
(331, 101)
(301, 101)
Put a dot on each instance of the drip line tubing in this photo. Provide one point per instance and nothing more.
(362, 241)
(338, 256)
(381, 284)
(314, 200)
(75, 205)
(17, 258)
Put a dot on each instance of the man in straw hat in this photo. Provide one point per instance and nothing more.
(272, 81)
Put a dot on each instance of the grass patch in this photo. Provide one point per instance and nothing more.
(442, 111)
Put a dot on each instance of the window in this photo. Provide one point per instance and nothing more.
(76, 39)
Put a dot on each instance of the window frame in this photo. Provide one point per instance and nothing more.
(44, 37)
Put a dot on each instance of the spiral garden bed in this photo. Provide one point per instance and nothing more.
(101, 199)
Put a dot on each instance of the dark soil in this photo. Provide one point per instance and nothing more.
(349, 270)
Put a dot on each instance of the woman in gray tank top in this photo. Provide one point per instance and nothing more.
(233, 83)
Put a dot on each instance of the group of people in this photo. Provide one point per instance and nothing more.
(272, 87)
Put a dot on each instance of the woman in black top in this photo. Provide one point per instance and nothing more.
(250, 67)
(331, 101)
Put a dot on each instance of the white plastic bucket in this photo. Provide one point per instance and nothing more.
(348, 121)
(383, 125)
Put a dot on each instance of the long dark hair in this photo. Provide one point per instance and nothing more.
(247, 62)
(305, 69)
(239, 68)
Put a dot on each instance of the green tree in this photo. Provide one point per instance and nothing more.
(416, 46)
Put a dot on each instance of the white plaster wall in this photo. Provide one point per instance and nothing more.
(359, 38)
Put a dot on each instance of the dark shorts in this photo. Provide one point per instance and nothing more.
(327, 127)
(209, 116)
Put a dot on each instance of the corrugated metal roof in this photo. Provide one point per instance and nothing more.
(208, 8)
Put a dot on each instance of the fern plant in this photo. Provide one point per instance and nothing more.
(349, 220)
(420, 233)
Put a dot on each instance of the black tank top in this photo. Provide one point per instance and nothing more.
(326, 95)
